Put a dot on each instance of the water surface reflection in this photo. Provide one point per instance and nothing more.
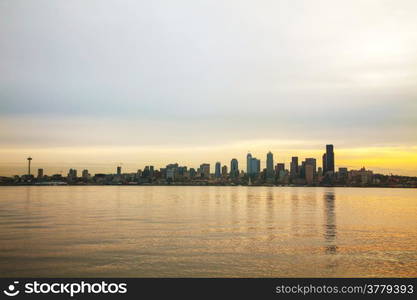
(138, 231)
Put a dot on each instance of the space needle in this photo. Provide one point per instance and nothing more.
(29, 160)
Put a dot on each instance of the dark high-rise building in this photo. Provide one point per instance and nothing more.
(324, 163)
(309, 172)
(171, 171)
(224, 171)
(269, 165)
(294, 167)
(329, 159)
(193, 173)
(302, 170)
(72, 174)
(85, 174)
(182, 171)
(343, 174)
(205, 170)
(40, 173)
(146, 172)
(312, 162)
(217, 170)
(234, 168)
(249, 164)
(255, 166)
(119, 170)
(279, 167)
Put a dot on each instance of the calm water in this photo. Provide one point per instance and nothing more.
(207, 231)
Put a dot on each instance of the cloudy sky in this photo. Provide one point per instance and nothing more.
(97, 83)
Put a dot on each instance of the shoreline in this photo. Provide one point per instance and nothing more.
(216, 185)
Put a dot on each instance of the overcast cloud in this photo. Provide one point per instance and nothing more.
(207, 73)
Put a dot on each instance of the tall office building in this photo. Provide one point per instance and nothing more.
(248, 164)
(234, 168)
(343, 174)
(328, 159)
(224, 171)
(146, 172)
(280, 171)
(302, 170)
(320, 171)
(40, 173)
(309, 173)
(193, 173)
(294, 167)
(205, 170)
(269, 165)
(279, 167)
(217, 170)
(72, 174)
(255, 166)
(171, 171)
(119, 170)
(85, 174)
(313, 163)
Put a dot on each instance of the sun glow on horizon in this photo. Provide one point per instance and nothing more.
(385, 160)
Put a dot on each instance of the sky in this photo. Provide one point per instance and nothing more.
(96, 84)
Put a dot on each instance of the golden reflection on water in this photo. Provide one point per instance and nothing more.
(207, 231)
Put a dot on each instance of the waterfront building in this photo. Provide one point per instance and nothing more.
(309, 173)
(224, 171)
(217, 170)
(329, 159)
(171, 172)
(85, 175)
(302, 170)
(40, 173)
(193, 173)
(294, 167)
(248, 164)
(234, 168)
(205, 170)
(361, 176)
(313, 163)
(279, 167)
(72, 174)
(255, 166)
(320, 171)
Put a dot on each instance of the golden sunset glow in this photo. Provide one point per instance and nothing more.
(105, 159)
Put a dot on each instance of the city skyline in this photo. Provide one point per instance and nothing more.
(300, 172)
(98, 159)
(249, 165)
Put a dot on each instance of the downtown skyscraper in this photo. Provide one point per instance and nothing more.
(234, 168)
(328, 159)
(269, 165)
